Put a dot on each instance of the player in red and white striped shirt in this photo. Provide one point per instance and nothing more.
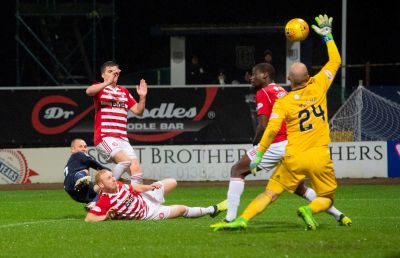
(141, 202)
(112, 104)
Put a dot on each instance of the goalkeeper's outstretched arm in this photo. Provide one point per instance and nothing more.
(324, 29)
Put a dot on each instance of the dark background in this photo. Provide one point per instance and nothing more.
(372, 33)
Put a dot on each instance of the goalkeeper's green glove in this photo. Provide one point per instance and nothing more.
(255, 162)
(324, 27)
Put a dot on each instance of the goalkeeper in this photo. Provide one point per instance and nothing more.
(262, 79)
(307, 155)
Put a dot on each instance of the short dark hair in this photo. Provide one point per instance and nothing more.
(267, 52)
(108, 63)
(266, 68)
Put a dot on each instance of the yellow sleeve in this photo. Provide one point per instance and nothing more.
(326, 75)
(273, 127)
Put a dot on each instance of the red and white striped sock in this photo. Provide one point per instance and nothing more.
(137, 179)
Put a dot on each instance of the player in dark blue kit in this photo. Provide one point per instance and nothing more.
(77, 181)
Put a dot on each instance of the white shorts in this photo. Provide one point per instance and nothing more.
(154, 200)
(271, 157)
(110, 146)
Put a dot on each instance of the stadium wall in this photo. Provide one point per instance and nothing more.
(196, 162)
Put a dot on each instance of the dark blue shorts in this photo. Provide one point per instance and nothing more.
(85, 194)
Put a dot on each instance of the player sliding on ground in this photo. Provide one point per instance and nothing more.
(141, 202)
(304, 110)
(77, 181)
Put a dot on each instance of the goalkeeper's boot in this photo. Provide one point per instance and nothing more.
(218, 208)
(81, 182)
(219, 225)
(345, 221)
(237, 224)
(306, 214)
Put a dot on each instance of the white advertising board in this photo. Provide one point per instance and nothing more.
(359, 159)
(185, 162)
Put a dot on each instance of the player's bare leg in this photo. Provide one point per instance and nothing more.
(169, 185)
(136, 172)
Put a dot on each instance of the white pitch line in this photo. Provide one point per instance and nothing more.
(34, 222)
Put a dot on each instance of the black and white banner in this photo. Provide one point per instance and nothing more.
(53, 117)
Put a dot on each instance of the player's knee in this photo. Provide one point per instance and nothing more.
(135, 167)
(274, 189)
(171, 182)
(119, 155)
(184, 210)
(234, 171)
(271, 194)
(125, 164)
(330, 196)
(181, 210)
(238, 171)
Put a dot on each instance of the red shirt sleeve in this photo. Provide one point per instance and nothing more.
(266, 97)
(102, 206)
(131, 101)
(264, 102)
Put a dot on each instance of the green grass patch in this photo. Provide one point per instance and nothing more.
(48, 223)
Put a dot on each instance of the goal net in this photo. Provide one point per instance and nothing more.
(366, 116)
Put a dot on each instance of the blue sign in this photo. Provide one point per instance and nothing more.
(393, 149)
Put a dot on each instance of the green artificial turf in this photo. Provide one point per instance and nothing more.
(47, 223)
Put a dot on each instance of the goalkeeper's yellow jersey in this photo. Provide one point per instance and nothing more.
(305, 110)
